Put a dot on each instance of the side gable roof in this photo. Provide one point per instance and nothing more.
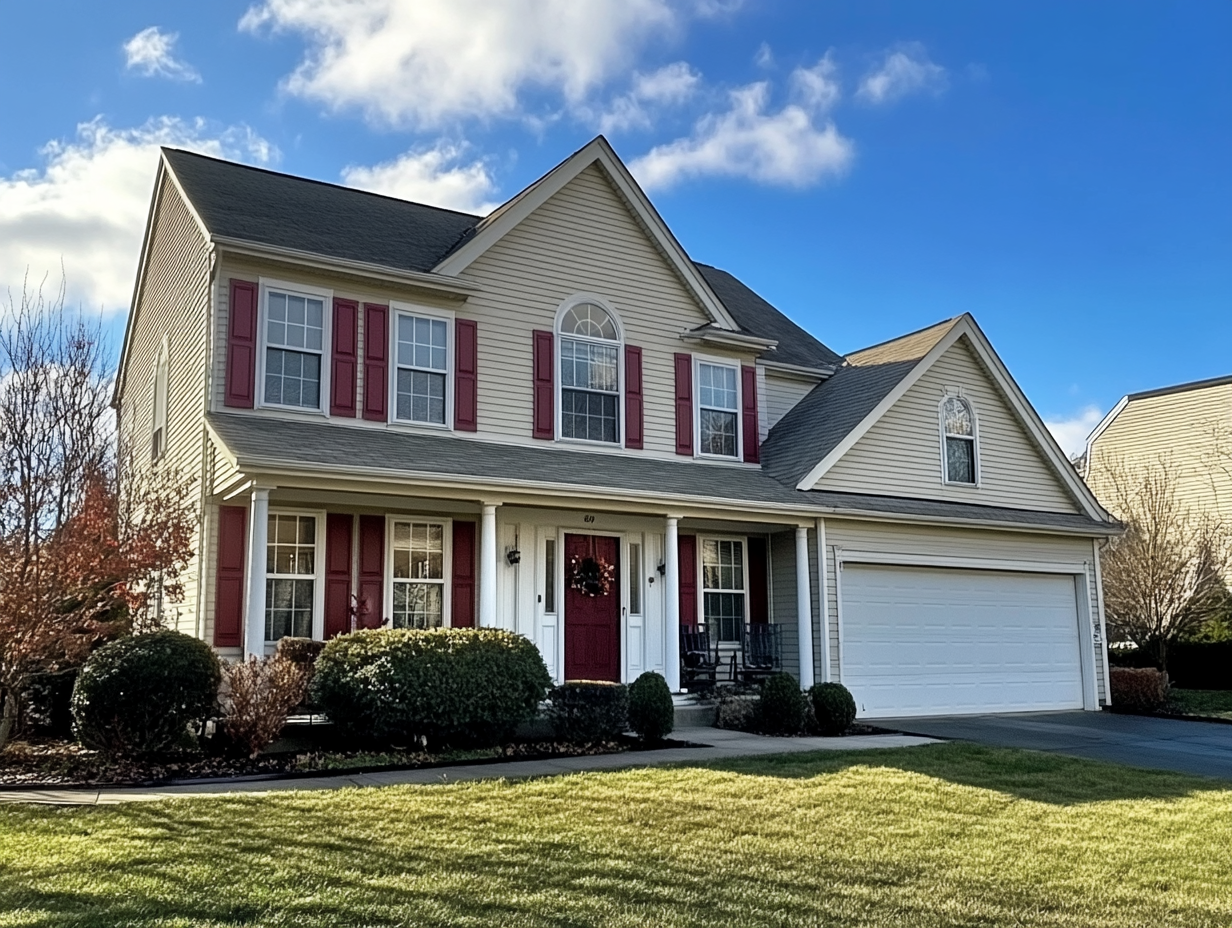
(265, 207)
(872, 381)
(598, 151)
(757, 317)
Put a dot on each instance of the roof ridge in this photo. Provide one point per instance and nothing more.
(898, 338)
(1181, 387)
(320, 183)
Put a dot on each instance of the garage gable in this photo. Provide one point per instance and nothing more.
(901, 453)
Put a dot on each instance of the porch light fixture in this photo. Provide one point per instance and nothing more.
(513, 556)
(662, 568)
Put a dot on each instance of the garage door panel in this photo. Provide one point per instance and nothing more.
(922, 641)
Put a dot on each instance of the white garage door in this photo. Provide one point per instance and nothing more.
(935, 641)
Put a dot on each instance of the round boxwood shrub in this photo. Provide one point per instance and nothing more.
(470, 686)
(833, 707)
(781, 709)
(651, 713)
(586, 711)
(139, 695)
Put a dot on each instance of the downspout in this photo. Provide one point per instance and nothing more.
(1098, 545)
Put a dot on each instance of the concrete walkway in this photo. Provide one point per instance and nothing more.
(719, 745)
(1203, 748)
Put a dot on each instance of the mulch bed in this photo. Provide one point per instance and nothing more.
(54, 764)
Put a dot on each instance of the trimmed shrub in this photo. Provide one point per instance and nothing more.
(1143, 688)
(139, 695)
(833, 708)
(302, 651)
(737, 710)
(585, 711)
(261, 692)
(781, 710)
(447, 685)
(651, 712)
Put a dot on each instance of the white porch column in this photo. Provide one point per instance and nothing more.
(804, 607)
(823, 597)
(487, 566)
(258, 530)
(671, 606)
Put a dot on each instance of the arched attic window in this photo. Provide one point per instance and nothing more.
(961, 463)
(589, 374)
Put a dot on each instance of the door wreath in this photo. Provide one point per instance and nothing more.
(591, 576)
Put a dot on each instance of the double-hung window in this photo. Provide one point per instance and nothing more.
(418, 554)
(718, 403)
(294, 340)
(723, 587)
(422, 357)
(290, 576)
(589, 374)
(958, 438)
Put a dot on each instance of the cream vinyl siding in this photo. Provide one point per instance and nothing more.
(780, 393)
(901, 454)
(782, 551)
(582, 240)
(1189, 433)
(172, 306)
(927, 541)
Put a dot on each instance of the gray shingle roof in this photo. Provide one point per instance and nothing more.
(265, 207)
(756, 316)
(265, 443)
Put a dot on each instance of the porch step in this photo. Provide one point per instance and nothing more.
(692, 712)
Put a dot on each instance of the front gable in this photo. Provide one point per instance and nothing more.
(901, 453)
(584, 239)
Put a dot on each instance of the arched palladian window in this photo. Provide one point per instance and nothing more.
(589, 374)
(958, 431)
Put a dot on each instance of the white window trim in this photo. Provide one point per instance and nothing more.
(318, 560)
(975, 439)
(327, 340)
(702, 588)
(446, 564)
(162, 366)
(397, 309)
(715, 361)
(557, 379)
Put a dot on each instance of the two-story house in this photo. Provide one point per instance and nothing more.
(550, 419)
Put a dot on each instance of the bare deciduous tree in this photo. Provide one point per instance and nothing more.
(1163, 578)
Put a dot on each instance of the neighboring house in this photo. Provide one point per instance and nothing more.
(436, 418)
(1185, 429)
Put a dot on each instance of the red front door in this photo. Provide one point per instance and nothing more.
(592, 622)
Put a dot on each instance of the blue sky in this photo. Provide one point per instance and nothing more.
(1063, 171)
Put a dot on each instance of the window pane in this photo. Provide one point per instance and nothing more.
(419, 551)
(589, 320)
(722, 564)
(718, 432)
(418, 605)
(549, 576)
(635, 579)
(421, 397)
(288, 608)
(724, 614)
(591, 416)
(960, 460)
(422, 342)
(294, 321)
(716, 386)
(592, 367)
(293, 378)
(956, 416)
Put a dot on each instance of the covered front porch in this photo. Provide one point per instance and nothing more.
(604, 588)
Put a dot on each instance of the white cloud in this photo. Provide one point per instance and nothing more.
(151, 52)
(765, 56)
(783, 148)
(432, 62)
(904, 71)
(668, 86)
(435, 176)
(817, 88)
(1071, 433)
(86, 208)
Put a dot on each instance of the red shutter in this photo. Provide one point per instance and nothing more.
(759, 581)
(345, 369)
(463, 575)
(545, 414)
(241, 345)
(752, 445)
(465, 378)
(633, 397)
(229, 577)
(371, 570)
(376, 361)
(687, 546)
(339, 529)
(684, 404)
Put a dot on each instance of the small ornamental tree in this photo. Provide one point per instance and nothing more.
(82, 553)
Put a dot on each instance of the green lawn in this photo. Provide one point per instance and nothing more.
(941, 835)
(1210, 703)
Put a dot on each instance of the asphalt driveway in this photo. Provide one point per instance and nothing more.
(1204, 748)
